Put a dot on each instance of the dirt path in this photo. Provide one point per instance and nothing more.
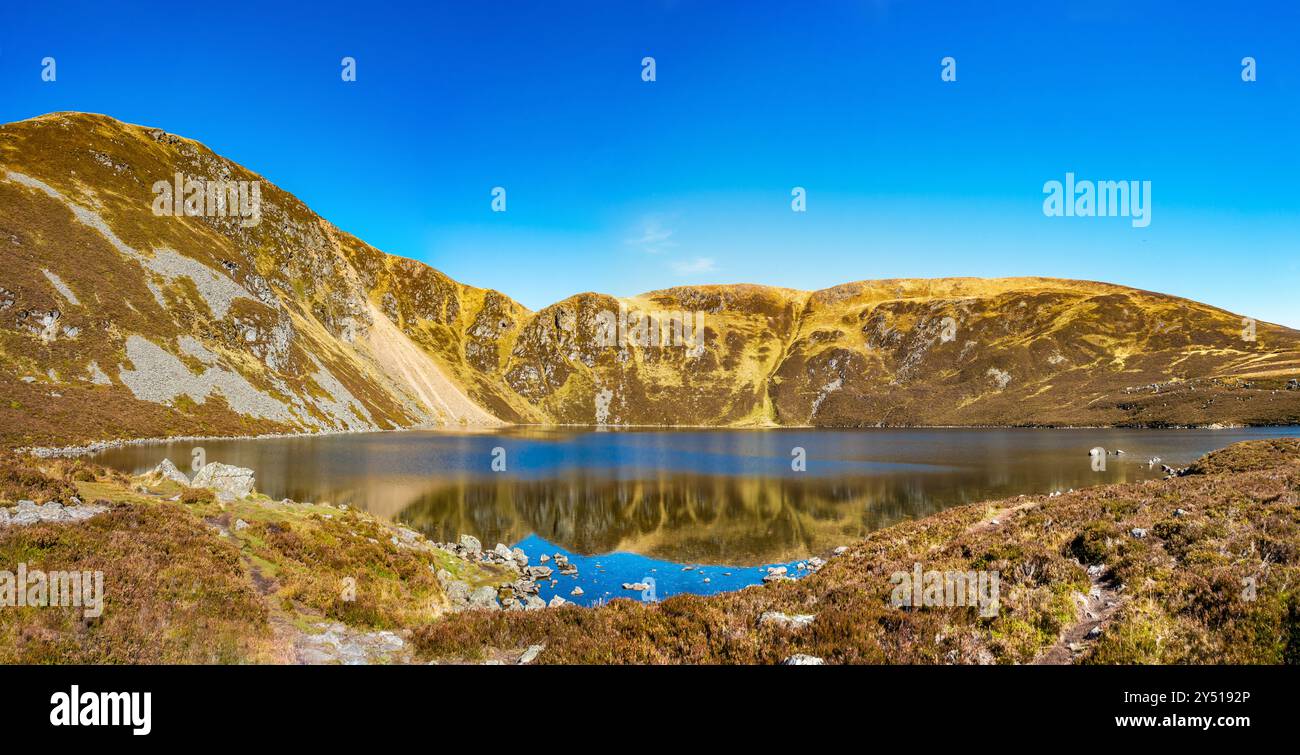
(1095, 611)
(997, 515)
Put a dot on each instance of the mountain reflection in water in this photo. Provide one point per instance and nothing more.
(684, 496)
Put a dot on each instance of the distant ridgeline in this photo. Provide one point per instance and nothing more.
(154, 288)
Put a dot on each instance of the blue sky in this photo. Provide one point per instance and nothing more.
(622, 186)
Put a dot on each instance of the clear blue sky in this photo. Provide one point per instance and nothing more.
(622, 186)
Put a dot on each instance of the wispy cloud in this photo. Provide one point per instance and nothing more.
(692, 267)
(654, 238)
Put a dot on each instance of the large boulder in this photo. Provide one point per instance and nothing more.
(228, 482)
(458, 592)
(166, 470)
(484, 597)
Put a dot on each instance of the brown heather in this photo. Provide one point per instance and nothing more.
(184, 584)
(1179, 587)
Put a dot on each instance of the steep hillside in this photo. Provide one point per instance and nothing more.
(118, 322)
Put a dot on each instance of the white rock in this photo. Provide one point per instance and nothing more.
(166, 470)
(803, 660)
(484, 597)
(786, 621)
(227, 481)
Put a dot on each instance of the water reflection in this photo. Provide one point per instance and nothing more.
(710, 497)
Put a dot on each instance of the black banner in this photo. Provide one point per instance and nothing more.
(332, 704)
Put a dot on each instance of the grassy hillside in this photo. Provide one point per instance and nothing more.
(116, 322)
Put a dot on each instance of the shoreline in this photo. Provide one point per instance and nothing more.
(93, 447)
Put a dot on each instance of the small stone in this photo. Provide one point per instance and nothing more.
(543, 558)
(803, 660)
(1138, 532)
(556, 602)
(576, 591)
(531, 654)
(240, 524)
(471, 543)
(1093, 633)
(786, 621)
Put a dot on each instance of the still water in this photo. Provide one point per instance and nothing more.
(630, 505)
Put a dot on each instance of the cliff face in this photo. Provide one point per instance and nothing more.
(116, 321)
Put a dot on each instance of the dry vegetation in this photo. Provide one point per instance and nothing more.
(1180, 588)
(186, 582)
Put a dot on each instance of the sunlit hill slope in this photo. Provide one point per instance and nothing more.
(116, 322)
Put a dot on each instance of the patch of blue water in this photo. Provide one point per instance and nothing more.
(602, 577)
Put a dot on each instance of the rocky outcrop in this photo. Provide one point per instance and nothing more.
(166, 470)
(28, 512)
(227, 481)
